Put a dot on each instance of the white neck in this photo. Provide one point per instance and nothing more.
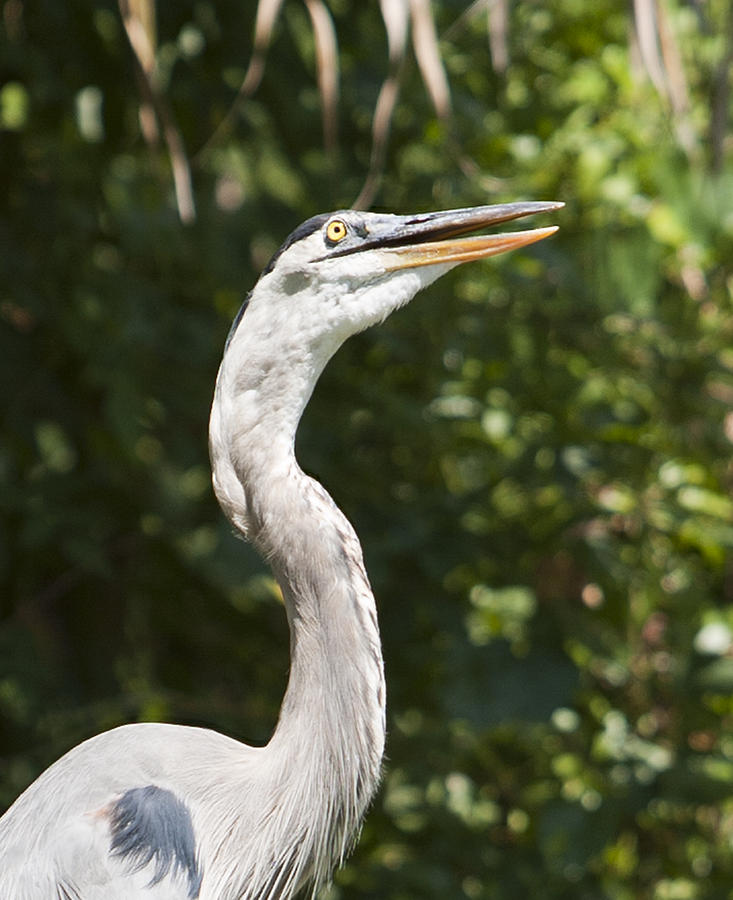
(331, 722)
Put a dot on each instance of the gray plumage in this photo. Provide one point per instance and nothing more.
(149, 824)
(165, 812)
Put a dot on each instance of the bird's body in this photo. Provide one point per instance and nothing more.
(167, 812)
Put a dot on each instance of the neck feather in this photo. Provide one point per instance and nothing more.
(326, 751)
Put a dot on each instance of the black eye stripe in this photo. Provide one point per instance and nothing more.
(308, 228)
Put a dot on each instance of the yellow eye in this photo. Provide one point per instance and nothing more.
(336, 231)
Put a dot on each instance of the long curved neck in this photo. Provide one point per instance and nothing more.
(336, 684)
(329, 739)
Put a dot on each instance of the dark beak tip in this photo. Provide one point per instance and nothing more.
(533, 207)
(507, 211)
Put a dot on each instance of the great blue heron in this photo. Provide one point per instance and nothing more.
(168, 812)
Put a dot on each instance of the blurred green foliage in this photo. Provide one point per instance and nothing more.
(536, 453)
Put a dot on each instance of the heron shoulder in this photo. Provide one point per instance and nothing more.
(151, 825)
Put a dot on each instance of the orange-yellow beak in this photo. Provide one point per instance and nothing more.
(464, 249)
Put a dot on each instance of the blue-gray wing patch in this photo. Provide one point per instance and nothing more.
(150, 824)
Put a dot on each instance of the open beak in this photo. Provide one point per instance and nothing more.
(436, 238)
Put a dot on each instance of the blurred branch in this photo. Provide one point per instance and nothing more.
(676, 81)
(267, 13)
(142, 33)
(327, 65)
(498, 29)
(498, 26)
(327, 68)
(460, 21)
(396, 16)
(12, 17)
(138, 17)
(662, 61)
(721, 100)
(381, 123)
(645, 21)
(427, 53)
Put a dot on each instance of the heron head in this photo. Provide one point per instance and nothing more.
(335, 275)
(341, 272)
